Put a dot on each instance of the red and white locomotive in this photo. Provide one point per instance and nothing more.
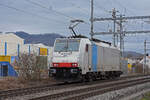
(82, 59)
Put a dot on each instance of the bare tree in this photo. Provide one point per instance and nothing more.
(139, 68)
(29, 67)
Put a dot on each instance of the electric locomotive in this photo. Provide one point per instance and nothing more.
(77, 59)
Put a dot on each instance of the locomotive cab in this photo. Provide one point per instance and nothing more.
(66, 63)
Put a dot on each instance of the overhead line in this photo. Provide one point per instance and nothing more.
(121, 5)
(126, 32)
(29, 13)
(85, 9)
(37, 4)
(53, 10)
(78, 7)
(124, 18)
(101, 7)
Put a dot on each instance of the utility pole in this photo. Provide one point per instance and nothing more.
(116, 20)
(121, 35)
(115, 36)
(92, 17)
(114, 25)
(144, 62)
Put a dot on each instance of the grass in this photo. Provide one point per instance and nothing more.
(14, 83)
(146, 96)
(10, 83)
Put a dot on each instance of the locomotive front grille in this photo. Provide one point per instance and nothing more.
(65, 73)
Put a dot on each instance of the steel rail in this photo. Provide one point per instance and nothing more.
(100, 87)
(37, 89)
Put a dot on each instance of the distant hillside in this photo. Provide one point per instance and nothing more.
(47, 39)
(131, 54)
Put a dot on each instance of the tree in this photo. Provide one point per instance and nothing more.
(29, 67)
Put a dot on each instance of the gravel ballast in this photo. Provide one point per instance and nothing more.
(124, 94)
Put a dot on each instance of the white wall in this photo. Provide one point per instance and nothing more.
(2, 50)
(11, 38)
(147, 61)
(16, 45)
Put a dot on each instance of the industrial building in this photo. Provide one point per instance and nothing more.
(11, 46)
(147, 61)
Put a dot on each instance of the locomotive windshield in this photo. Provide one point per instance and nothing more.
(67, 45)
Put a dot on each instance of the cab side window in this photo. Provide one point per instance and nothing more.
(87, 48)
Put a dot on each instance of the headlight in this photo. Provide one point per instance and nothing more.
(74, 70)
(55, 64)
(53, 71)
(74, 65)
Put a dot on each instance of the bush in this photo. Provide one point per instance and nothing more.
(29, 67)
(139, 68)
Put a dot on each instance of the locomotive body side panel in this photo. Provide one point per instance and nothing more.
(105, 58)
(94, 57)
(84, 56)
(100, 65)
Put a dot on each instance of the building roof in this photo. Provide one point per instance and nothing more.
(148, 57)
(40, 45)
(10, 35)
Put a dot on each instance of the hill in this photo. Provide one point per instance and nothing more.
(132, 54)
(47, 39)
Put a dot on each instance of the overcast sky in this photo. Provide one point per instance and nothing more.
(53, 16)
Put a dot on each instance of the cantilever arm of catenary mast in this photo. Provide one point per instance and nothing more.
(118, 18)
(125, 32)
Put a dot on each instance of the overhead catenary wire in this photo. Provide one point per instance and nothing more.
(87, 11)
(73, 4)
(84, 10)
(30, 13)
(98, 6)
(122, 6)
(102, 8)
(40, 5)
(35, 15)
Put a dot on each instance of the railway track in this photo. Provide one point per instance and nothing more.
(80, 94)
(32, 90)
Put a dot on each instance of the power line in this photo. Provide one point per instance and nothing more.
(101, 7)
(111, 2)
(122, 6)
(85, 11)
(38, 4)
(29, 13)
(78, 7)
(33, 14)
